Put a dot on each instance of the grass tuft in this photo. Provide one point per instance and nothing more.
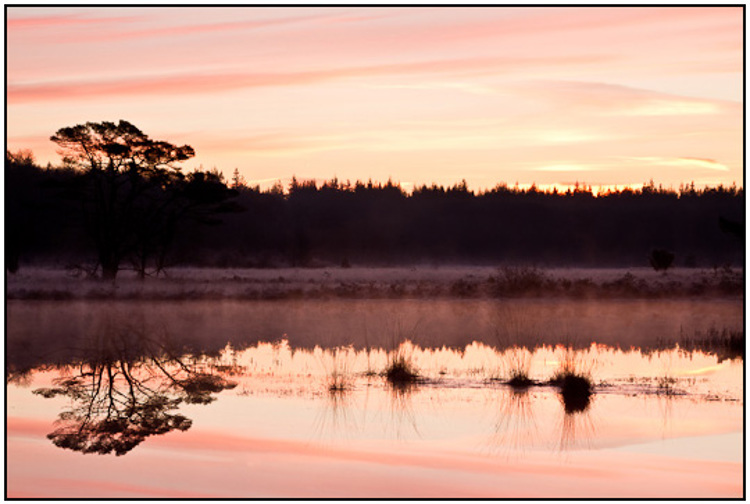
(337, 363)
(576, 391)
(401, 372)
(339, 382)
(520, 381)
(666, 385)
(574, 381)
(517, 361)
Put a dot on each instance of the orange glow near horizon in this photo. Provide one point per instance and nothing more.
(613, 96)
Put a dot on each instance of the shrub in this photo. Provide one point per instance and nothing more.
(520, 280)
(661, 259)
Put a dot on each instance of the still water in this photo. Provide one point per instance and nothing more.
(288, 399)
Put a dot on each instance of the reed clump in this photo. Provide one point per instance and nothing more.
(401, 372)
(339, 377)
(666, 385)
(520, 381)
(518, 364)
(574, 379)
(576, 392)
(338, 383)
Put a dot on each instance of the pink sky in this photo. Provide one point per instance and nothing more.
(548, 95)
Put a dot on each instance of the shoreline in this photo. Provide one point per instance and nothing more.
(408, 282)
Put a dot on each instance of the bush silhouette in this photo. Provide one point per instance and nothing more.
(661, 259)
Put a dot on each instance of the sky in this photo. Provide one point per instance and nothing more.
(605, 96)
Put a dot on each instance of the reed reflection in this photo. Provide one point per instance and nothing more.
(127, 388)
(574, 378)
(126, 384)
(577, 429)
(515, 429)
(575, 383)
(337, 415)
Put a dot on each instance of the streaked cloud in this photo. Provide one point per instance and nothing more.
(674, 106)
(683, 162)
(566, 168)
(457, 86)
(216, 82)
(190, 29)
(64, 20)
(599, 98)
(492, 94)
(569, 136)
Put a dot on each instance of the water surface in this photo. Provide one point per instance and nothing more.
(233, 399)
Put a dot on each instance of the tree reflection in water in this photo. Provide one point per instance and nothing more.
(127, 384)
(126, 388)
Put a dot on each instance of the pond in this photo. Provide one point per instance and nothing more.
(287, 398)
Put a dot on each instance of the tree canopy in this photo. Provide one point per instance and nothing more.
(116, 147)
(133, 193)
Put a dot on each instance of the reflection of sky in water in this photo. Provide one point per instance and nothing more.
(462, 390)
(460, 403)
(280, 432)
(664, 416)
(613, 370)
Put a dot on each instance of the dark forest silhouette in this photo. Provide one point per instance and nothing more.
(119, 201)
(380, 224)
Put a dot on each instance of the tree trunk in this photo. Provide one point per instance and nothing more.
(109, 272)
(110, 266)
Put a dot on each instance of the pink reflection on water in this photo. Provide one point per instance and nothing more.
(610, 368)
(203, 463)
(459, 433)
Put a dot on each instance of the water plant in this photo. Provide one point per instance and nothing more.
(338, 377)
(726, 344)
(370, 371)
(576, 392)
(666, 385)
(520, 381)
(517, 362)
(401, 371)
(338, 383)
(574, 380)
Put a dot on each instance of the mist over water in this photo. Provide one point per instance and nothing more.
(212, 366)
(209, 325)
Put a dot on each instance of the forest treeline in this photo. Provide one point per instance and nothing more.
(343, 224)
